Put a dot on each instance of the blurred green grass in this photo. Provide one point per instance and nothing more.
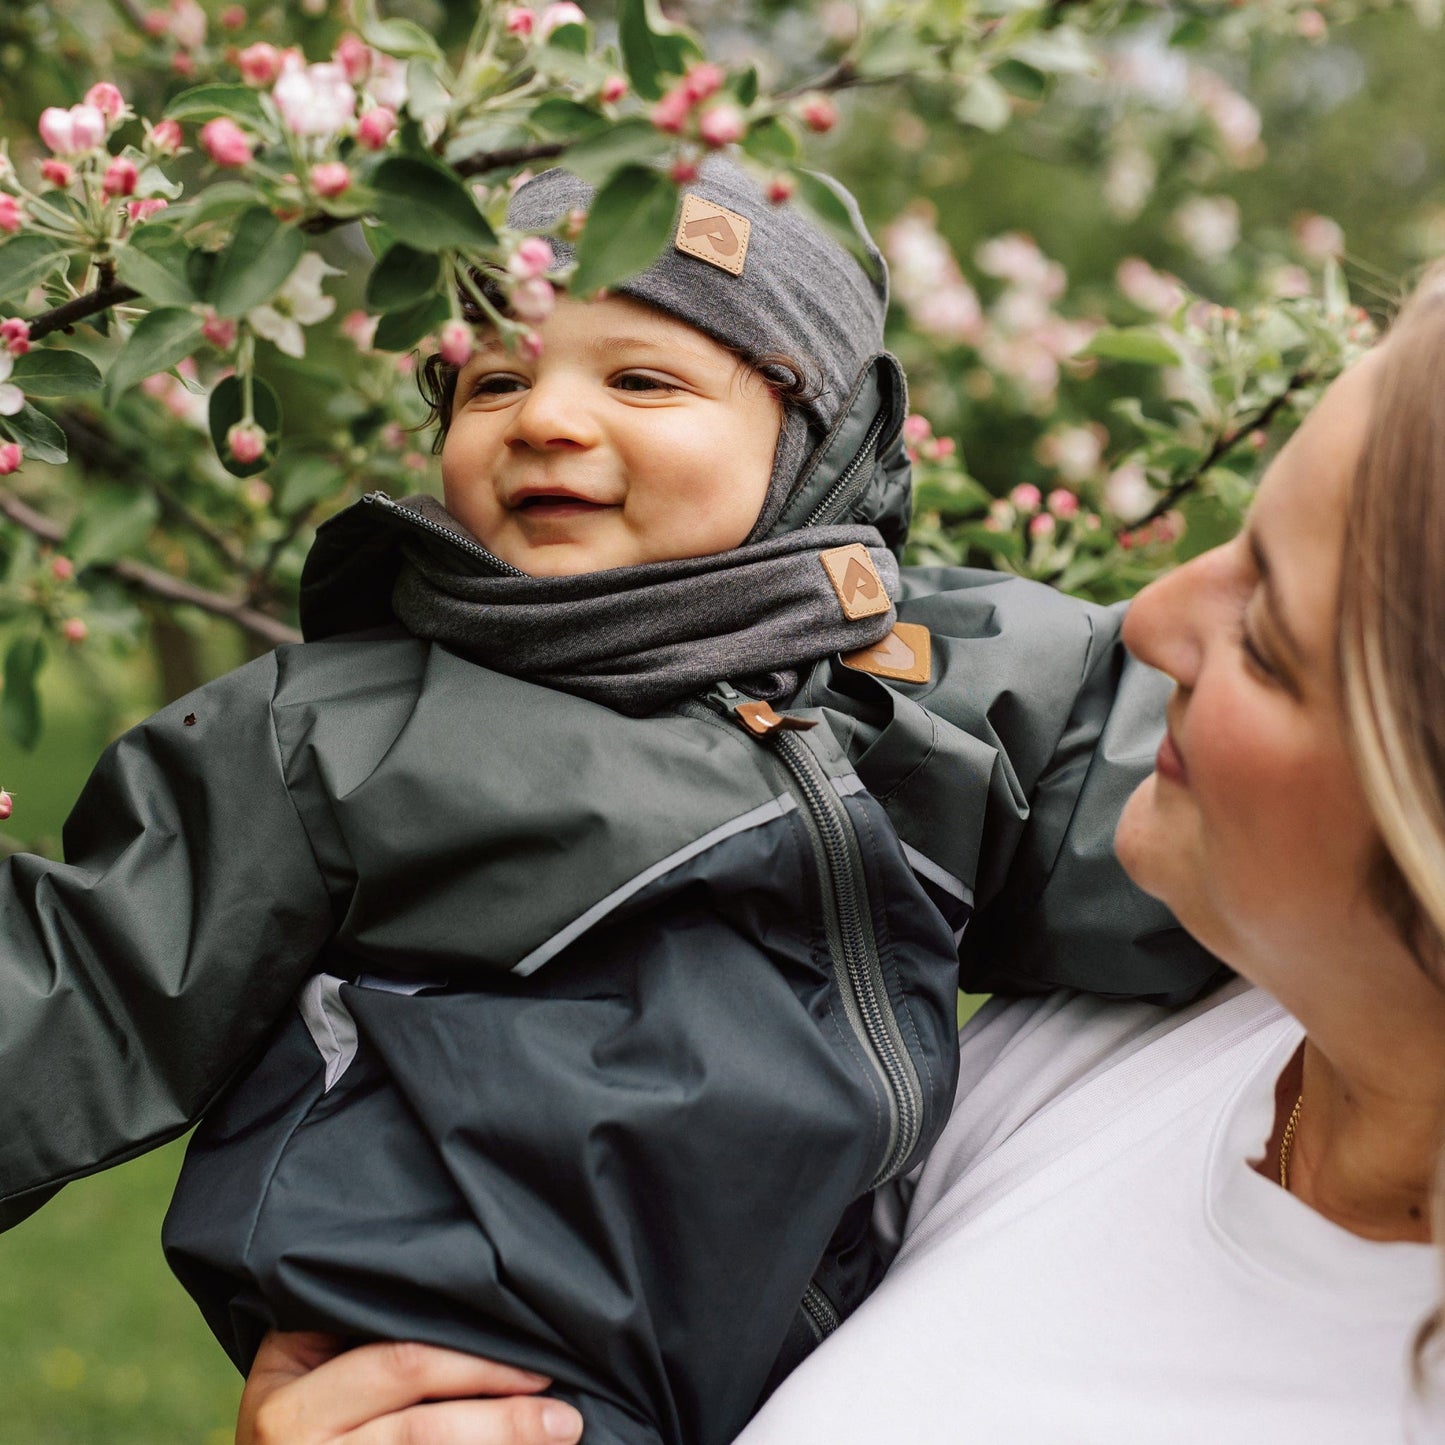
(98, 1343)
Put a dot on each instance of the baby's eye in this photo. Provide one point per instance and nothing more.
(642, 381)
(496, 383)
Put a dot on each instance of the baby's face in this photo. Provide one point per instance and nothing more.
(634, 438)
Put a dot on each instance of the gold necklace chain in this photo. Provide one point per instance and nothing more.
(1286, 1145)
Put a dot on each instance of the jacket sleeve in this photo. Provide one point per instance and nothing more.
(1055, 907)
(137, 976)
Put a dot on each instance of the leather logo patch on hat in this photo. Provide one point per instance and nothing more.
(905, 654)
(713, 234)
(856, 581)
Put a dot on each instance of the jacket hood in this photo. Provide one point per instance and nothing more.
(860, 473)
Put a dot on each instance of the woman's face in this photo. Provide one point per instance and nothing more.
(1253, 827)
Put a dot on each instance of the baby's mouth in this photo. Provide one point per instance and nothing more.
(557, 505)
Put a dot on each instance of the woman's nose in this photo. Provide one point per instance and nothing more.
(1167, 623)
(552, 416)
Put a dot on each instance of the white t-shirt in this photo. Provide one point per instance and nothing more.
(1089, 1259)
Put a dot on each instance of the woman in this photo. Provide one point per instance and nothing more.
(1202, 1226)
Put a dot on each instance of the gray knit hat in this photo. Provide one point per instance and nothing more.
(758, 276)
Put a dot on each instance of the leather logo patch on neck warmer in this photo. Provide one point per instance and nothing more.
(906, 655)
(713, 234)
(860, 589)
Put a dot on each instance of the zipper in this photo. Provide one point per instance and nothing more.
(848, 922)
(818, 1310)
(838, 492)
(411, 518)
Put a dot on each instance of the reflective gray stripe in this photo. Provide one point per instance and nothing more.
(766, 813)
(384, 983)
(330, 1025)
(847, 785)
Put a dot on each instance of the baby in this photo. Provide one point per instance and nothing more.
(621, 984)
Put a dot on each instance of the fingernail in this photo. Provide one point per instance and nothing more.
(561, 1422)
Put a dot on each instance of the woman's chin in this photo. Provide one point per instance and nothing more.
(1140, 841)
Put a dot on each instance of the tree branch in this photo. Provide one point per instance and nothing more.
(1223, 444)
(63, 317)
(154, 581)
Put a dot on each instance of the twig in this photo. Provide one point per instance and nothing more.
(62, 317)
(261, 577)
(1223, 444)
(157, 583)
(483, 161)
(133, 13)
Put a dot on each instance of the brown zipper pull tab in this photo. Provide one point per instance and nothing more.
(761, 719)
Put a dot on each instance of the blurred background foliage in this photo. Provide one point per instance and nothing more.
(1235, 148)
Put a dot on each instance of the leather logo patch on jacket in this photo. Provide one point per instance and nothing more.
(713, 234)
(856, 581)
(906, 655)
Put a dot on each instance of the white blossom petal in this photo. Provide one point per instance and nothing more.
(282, 331)
(11, 399)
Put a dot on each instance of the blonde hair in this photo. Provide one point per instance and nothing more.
(1392, 648)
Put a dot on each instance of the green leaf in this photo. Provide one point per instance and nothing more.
(116, 520)
(427, 207)
(378, 239)
(746, 86)
(1208, 522)
(630, 142)
(20, 701)
(1132, 343)
(161, 339)
(228, 407)
(216, 201)
(817, 196)
(629, 223)
(652, 49)
(41, 437)
(985, 104)
(1021, 80)
(54, 372)
(401, 330)
(404, 39)
(25, 261)
(402, 277)
(205, 102)
(307, 479)
(254, 266)
(426, 95)
(570, 38)
(772, 142)
(563, 118)
(1060, 51)
(157, 271)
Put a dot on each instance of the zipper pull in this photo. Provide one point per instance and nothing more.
(755, 716)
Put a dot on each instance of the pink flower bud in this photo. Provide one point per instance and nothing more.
(376, 127)
(684, 171)
(671, 112)
(1042, 526)
(818, 113)
(1311, 25)
(188, 24)
(142, 211)
(574, 224)
(246, 442)
(532, 300)
(613, 89)
(353, 55)
(74, 630)
(722, 125)
(62, 569)
(1026, 497)
(183, 64)
(58, 173)
(1063, 503)
(15, 335)
(257, 493)
(455, 342)
(529, 346)
(703, 81)
(233, 18)
(107, 99)
(533, 257)
(520, 21)
(89, 127)
(359, 328)
(57, 130)
(157, 22)
(916, 428)
(1169, 527)
(165, 138)
(259, 64)
(393, 436)
(220, 331)
(555, 16)
(944, 447)
(7, 805)
(11, 455)
(226, 143)
(120, 177)
(330, 178)
(780, 190)
(12, 214)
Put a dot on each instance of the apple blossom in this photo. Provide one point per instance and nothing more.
(314, 100)
(684, 171)
(165, 138)
(1042, 526)
(376, 127)
(722, 125)
(529, 346)
(11, 455)
(780, 190)
(259, 64)
(62, 569)
(1063, 504)
(702, 81)
(74, 630)
(1311, 25)
(353, 55)
(818, 113)
(120, 178)
(387, 83)
(944, 447)
(520, 21)
(298, 303)
(7, 805)
(226, 143)
(916, 428)
(233, 17)
(246, 441)
(533, 257)
(107, 99)
(1208, 225)
(532, 300)
(455, 342)
(58, 173)
(220, 331)
(671, 112)
(183, 63)
(156, 22)
(15, 335)
(393, 436)
(1026, 497)
(1001, 515)
(187, 24)
(330, 178)
(613, 89)
(12, 214)
(142, 211)
(71, 132)
(11, 397)
(555, 16)
(257, 493)
(359, 328)
(1318, 236)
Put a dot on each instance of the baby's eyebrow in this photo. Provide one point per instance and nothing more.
(612, 346)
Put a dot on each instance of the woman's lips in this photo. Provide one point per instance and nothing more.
(1168, 763)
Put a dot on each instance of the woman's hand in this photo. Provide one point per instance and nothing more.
(303, 1389)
